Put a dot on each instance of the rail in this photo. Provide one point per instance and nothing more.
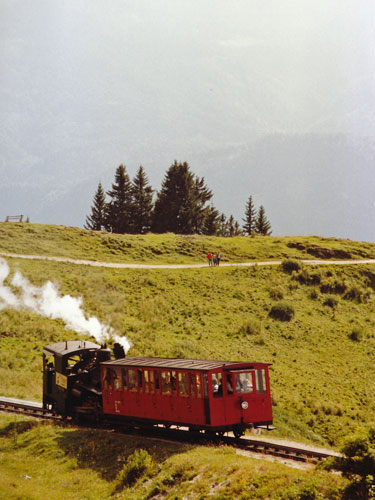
(33, 409)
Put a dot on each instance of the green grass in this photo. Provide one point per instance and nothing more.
(167, 248)
(41, 461)
(322, 373)
(321, 378)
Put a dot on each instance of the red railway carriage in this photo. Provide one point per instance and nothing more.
(213, 395)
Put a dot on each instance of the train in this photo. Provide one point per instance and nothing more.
(83, 380)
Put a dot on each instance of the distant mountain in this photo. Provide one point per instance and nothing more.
(230, 90)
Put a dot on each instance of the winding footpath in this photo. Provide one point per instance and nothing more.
(115, 265)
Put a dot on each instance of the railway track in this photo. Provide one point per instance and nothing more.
(33, 409)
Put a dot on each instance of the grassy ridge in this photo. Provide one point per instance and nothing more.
(168, 248)
(42, 461)
(321, 378)
(322, 360)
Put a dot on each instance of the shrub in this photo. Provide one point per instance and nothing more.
(290, 265)
(251, 327)
(331, 302)
(333, 286)
(356, 294)
(355, 334)
(276, 293)
(306, 277)
(137, 464)
(282, 311)
(357, 464)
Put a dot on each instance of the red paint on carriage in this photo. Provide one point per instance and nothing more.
(212, 395)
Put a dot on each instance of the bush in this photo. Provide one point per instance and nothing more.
(357, 464)
(137, 464)
(306, 277)
(276, 293)
(356, 294)
(282, 311)
(333, 286)
(290, 265)
(355, 334)
(331, 302)
(251, 327)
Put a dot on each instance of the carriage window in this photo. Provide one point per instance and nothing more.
(174, 382)
(261, 380)
(193, 387)
(140, 379)
(157, 381)
(118, 382)
(124, 378)
(244, 382)
(149, 380)
(183, 384)
(205, 385)
(229, 383)
(165, 383)
(109, 378)
(199, 385)
(217, 385)
(132, 380)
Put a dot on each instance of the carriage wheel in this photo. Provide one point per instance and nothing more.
(238, 432)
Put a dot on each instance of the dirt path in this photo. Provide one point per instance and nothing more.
(182, 266)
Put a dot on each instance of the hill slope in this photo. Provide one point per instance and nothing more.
(322, 359)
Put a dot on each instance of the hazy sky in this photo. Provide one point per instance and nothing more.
(269, 98)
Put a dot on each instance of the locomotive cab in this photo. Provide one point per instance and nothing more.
(71, 376)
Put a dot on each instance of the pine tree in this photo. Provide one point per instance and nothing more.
(262, 224)
(142, 207)
(250, 217)
(237, 229)
(223, 226)
(211, 221)
(180, 206)
(119, 209)
(231, 222)
(96, 221)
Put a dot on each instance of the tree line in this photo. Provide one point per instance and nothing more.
(182, 206)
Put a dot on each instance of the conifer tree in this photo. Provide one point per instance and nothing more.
(250, 217)
(262, 224)
(180, 206)
(231, 222)
(96, 221)
(211, 221)
(119, 208)
(237, 229)
(223, 226)
(142, 207)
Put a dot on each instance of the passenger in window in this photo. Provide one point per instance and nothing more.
(239, 387)
(229, 384)
(132, 380)
(215, 386)
(173, 383)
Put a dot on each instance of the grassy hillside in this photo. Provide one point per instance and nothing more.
(168, 248)
(322, 359)
(41, 461)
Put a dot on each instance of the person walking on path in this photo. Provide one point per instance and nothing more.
(214, 260)
(209, 258)
(218, 258)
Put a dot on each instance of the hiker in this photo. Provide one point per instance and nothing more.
(214, 260)
(218, 258)
(209, 258)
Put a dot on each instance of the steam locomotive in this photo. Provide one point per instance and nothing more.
(80, 380)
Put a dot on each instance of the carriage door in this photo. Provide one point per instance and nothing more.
(216, 398)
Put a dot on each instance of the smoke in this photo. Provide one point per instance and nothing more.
(47, 301)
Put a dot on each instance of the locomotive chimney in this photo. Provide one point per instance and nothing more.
(118, 351)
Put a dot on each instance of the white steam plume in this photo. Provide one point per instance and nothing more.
(47, 301)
